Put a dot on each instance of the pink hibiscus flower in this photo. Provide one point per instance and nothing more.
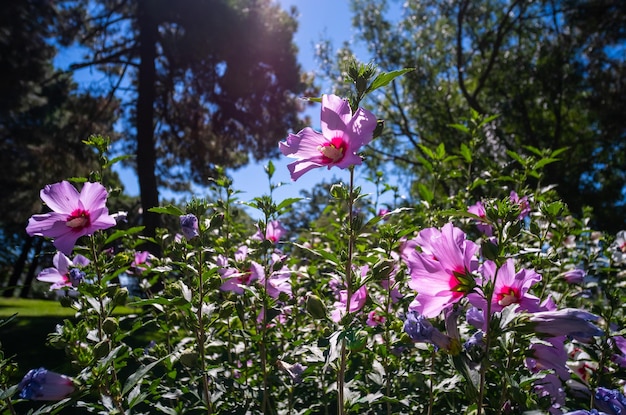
(343, 134)
(65, 272)
(278, 282)
(357, 302)
(274, 232)
(478, 209)
(442, 272)
(73, 215)
(510, 287)
(522, 202)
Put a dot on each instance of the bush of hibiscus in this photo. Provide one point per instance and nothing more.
(504, 304)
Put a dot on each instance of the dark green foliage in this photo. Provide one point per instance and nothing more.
(553, 72)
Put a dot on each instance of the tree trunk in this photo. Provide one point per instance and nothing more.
(30, 276)
(18, 267)
(146, 154)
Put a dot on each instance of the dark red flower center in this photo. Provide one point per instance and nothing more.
(333, 151)
(79, 220)
(508, 296)
(461, 282)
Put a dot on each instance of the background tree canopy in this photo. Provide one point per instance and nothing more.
(212, 82)
(194, 84)
(553, 72)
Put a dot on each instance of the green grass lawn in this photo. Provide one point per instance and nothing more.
(37, 308)
(24, 337)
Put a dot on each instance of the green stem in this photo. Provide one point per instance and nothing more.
(485, 360)
(348, 281)
(266, 306)
(99, 281)
(201, 335)
(431, 394)
(102, 313)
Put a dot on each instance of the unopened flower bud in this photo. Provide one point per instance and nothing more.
(316, 307)
(189, 359)
(121, 296)
(44, 385)
(110, 325)
(101, 349)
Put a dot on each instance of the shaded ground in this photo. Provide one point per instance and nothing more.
(23, 339)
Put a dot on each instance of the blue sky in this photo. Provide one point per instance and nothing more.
(317, 20)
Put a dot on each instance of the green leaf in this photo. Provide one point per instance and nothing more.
(425, 193)
(138, 375)
(466, 153)
(427, 164)
(117, 159)
(270, 169)
(168, 210)
(329, 256)
(558, 151)
(440, 151)
(544, 162)
(516, 157)
(77, 179)
(385, 78)
(287, 203)
(9, 392)
(312, 99)
(460, 127)
(534, 150)
(487, 120)
(123, 232)
(427, 151)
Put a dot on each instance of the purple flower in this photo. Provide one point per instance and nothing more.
(585, 412)
(574, 276)
(619, 248)
(610, 401)
(552, 387)
(620, 344)
(420, 330)
(442, 272)
(44, 385)
(295, 371)
(235, 280)
(189, 226)
(64, 273)
(552, 356)
(73, 215)
(571, 322)
(343, 134)
(476, 317)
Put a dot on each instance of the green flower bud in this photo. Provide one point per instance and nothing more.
(120, 297)
(110, 325)
(101, 349)
(189, 359)
(316, 307)
(357, 341)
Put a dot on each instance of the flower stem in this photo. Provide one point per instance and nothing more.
(201, 335)
(348, 281)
